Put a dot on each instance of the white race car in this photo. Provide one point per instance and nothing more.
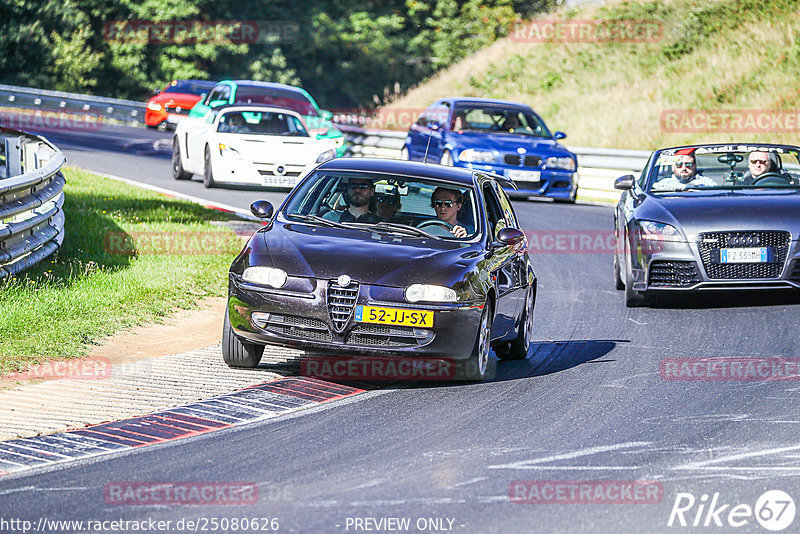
(247, 145)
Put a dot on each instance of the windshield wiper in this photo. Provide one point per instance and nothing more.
(405, 228)
(317, 219)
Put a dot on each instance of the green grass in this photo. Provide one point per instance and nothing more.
(722, 55)
(88, 290)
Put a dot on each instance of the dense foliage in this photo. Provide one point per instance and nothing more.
(345, 52)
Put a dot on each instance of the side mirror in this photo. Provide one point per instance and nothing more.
(325, 114)
(510, 236)
(262, 209)
(217, 103)
(559, 135)
(624, 182)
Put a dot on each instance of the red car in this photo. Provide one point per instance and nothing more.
(167, 107)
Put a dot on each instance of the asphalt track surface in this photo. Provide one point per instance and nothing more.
(589, 404)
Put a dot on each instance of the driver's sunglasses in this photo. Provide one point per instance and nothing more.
(684, 164)
(445, 203)
(387, 200)
(359, 186)
(758, 162)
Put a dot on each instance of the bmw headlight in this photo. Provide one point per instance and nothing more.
(265, 276)
(429, 293)
(476, 155)
(655, 231)
(325, 156)
(566, 163)
(229, 152)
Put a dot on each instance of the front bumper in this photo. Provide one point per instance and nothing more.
(683, 266)
(267, 174)
(299, 318)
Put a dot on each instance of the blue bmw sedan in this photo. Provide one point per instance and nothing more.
(498, 136)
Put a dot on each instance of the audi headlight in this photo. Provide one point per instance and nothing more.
(655, 231)
(265, 276)
(325, 156)
(476, 155)
(229, 152)
(154, 106)
(429, 293)
(566, 163)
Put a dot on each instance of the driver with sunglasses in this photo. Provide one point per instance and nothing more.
(447, 203)
(358, 196)
(684, 173)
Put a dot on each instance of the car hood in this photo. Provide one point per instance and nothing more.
(367, 257)
(725, 211)
(508, 143)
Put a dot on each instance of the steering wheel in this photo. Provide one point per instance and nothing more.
(772, 178)
(436, 222)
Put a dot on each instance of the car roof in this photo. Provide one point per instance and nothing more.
(488, 101)
(259, 107)
(456, 175)
(268, 85)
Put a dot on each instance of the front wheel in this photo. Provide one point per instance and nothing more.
(617, 274)
(236, 353)
(478, 362)
(633, 299)
(208, 173)
(518, 350)
(178, 171)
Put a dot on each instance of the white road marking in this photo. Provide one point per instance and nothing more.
(466, 482)
(531, 464)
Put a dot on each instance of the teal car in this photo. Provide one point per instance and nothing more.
(317, 120)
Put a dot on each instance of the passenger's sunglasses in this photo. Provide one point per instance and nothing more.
(684, 164)
(359, 186)
(387, 200)
(445, 203)
(758, 162)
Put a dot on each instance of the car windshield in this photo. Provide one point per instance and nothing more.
(261, 123)
(498, 120)
(188, 87)
(715, 167)
(398, 204)
(276, 97)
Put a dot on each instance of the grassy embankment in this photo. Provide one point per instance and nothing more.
(94, 286)
(729, 54)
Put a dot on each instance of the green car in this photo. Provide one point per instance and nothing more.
(274, 94)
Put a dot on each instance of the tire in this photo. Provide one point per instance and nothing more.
(178, 172)
(404, 154)
(633, 299)
(447, 159)
(518, 349)
(617, 274)
(208, 173)
(478, 362)
(236, 353)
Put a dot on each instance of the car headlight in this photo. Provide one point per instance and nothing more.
(229, 152)
(339, 141)
(429, 293)
(154, 106)
(566, 163)
(265, 276)
(325, 156)
(476, 155)
(655, 231)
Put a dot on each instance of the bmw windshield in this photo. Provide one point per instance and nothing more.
(495, 119)
(726, 167)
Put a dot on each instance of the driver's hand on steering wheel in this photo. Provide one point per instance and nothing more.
(459, 231)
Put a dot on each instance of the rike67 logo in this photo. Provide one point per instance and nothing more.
(774, 510)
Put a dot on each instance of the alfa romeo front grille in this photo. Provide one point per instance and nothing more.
(375, 335)
(299, 327)
(673, 274)
(777, 240)
(341, 301)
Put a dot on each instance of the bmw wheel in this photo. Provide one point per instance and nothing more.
(236, 353)
(208, 173)
(177, 165)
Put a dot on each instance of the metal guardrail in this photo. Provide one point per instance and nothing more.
(597, 167)
(39, 99)
(31, 200)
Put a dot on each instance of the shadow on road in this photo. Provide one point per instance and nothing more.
(547, 357)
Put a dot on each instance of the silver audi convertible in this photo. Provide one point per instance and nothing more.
(705, 217)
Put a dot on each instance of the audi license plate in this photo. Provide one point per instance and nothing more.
(394, 316)
(523, 176)
(744, 255)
